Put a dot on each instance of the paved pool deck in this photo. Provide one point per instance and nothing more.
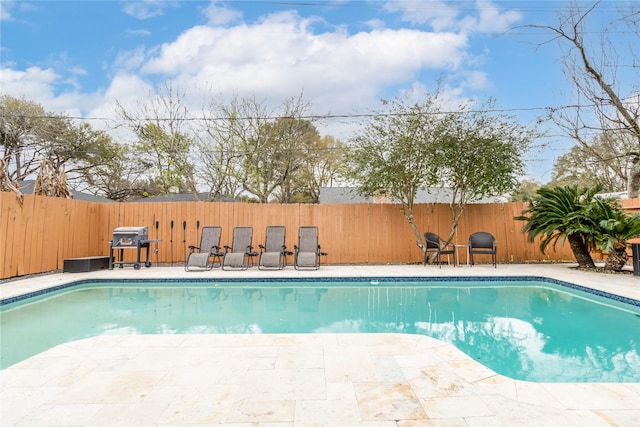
(298, 379)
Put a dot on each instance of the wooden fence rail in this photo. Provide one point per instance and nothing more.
(39, 234)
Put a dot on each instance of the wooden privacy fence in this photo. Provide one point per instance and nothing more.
(40, 234)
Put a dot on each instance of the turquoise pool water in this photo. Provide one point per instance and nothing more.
(529, 330)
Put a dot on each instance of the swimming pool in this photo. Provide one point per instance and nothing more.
(526, 328)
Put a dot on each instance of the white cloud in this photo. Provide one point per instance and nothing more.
(221, 15)
(147, 9)
(490, 19)
(279, 57)
(33, 83)
(139, 32)
(130, 60)
(439, 15)
(485, 17)
(5, 10)
(275, 58)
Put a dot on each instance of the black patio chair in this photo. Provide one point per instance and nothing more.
(435, 245)
(482, 243)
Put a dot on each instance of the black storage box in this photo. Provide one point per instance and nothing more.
(83, 265)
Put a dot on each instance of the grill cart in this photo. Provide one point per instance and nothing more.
(130, 238)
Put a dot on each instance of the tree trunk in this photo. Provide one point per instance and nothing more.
(407, 211)
(633, 181)
(617, 259)
(580, 251)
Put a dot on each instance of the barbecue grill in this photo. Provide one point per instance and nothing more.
(129, 238)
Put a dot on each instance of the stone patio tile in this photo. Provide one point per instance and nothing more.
(593, 396)
(282, 340)
(536, 394)
(28, 375)
(388, 401)
(382, 344)
(433, 381)
(387, 369)
(186, 405)
(326, 412)
(349, 364)
(61, 415)
(620, 418)
(278, 384)
(128, 414)
(510, 412)
(341, 391)
(213, 372)
(456, 407)
(441, 422)
(468, 369)
(18, 402)
(300, 357)
(110, 387)
(497, 384)
(561, 419)
(223, 340)
(269, 411)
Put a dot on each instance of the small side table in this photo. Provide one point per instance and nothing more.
(457, 251)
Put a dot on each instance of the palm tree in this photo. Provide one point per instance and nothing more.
(615, 229)
(558, 214)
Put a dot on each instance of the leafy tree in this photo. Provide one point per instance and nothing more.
(604, 162)
(525, 191)
(479, 155)
(322, 160)
(31, 135)
(604, 78)
(411, 146)
(394, 153)
(220, 162)
(163, 141)
(298, 140)
(558, 214)
(167, 154)
(111, 170)
(263, 151)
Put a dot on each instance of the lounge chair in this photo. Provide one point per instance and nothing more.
(205, 255)
(273, 253)
(434, 245)
(307, 252)
(482, 243)
(240, 254)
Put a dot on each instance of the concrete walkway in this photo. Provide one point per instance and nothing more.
(298, 379)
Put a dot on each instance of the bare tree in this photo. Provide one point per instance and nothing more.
(164, 138)
(602, 70)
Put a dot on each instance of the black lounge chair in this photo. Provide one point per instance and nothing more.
(482, 243)
(273, 253)
(240, 254)
(307, 252)
(434, 245)
(205, 255)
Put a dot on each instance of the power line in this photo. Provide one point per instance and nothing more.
(306, 117)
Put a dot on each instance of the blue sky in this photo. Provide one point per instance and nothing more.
(81, 57)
